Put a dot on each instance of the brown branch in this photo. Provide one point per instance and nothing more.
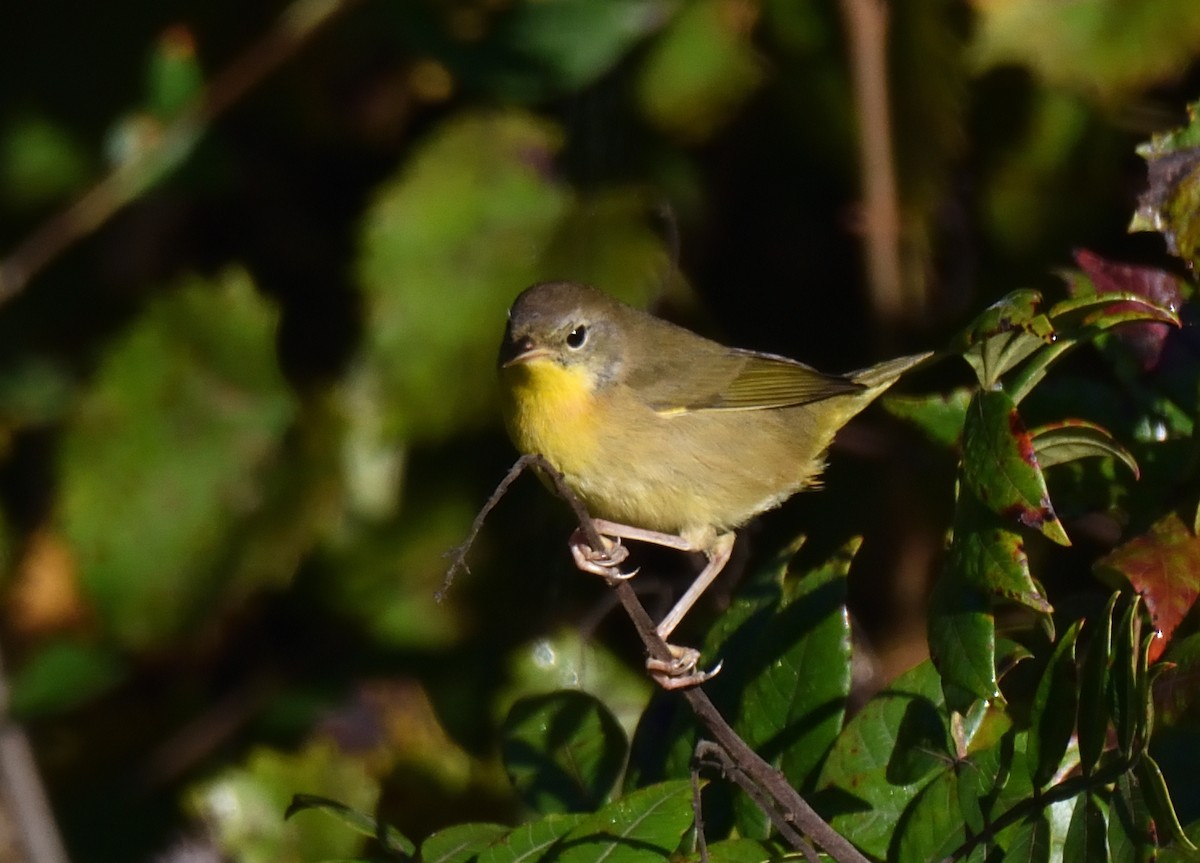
(866, 30)
(786, 801)
(128, 181)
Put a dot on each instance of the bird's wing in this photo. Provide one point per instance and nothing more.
(738, 380)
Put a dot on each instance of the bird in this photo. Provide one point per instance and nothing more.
(666, 436)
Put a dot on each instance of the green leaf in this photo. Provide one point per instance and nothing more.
(1030, 842)
(921, 744)
(1087, 837)
(989, 557)
(962, 642)
(243, 806)
(1158, 802)
(1130, 830)
(563, 751)
(940, 416)
(63, 675)
(864, 805)
(40, 162)
(1006, 333)
(445, 246)
(1069, 440)
(389, 837)
(1126, 712)
(1052, 713)
(531, 841)
(1000, 467)
(647, 825)
(701, 70)
(173, 454)
(567, 44)
(932, 827)
(460, 843)
(1171, 202)
(790, 714)
(741, 851)
(1093, 707)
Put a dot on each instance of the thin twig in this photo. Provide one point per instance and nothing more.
(787, 802)
(698, 814)
(866, 31)
(128, 181)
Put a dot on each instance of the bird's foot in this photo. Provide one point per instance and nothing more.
(604, 562)
(679, 672)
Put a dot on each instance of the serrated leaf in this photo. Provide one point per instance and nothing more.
(1163, 566)
(1052, 713)
(1069, 440)
(642, 827)
(1001, 469)
(389, 837)
(791, 712)
(531, 841)
(1006, 333)
(1030, 841)
(460, 843)
(1087, 836)
(862, 804)
(932, 826)
(1093, 684)
(563, 751)
(962, 642)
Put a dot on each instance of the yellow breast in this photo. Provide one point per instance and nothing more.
(547, 409)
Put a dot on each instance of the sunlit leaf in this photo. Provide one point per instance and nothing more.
(1052, 713)
(790, 715)
(1158, 802)
(460, 843)
(864, 806)
(1163, 566)
(1069, 440)
(244, 807)
(563, 751)
(531, 841)
(988, 556)
(1006, 333)
(644, 826)
(360, 822)
(1101, 47)
(701, 69)
(1171, 202)
(1001, 468)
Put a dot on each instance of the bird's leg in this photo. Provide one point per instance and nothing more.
(680, 671)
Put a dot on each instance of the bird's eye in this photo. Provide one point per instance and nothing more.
(577, 337)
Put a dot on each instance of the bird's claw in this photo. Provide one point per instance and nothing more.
(679, 672)
(604, 562)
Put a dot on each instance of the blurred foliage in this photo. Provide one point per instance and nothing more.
(243, 418)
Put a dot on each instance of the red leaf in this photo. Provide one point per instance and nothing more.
(1163, 565)
(1144, 340)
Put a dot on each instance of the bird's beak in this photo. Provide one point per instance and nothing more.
(521, 350)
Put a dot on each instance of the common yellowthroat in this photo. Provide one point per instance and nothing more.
(665, 436)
